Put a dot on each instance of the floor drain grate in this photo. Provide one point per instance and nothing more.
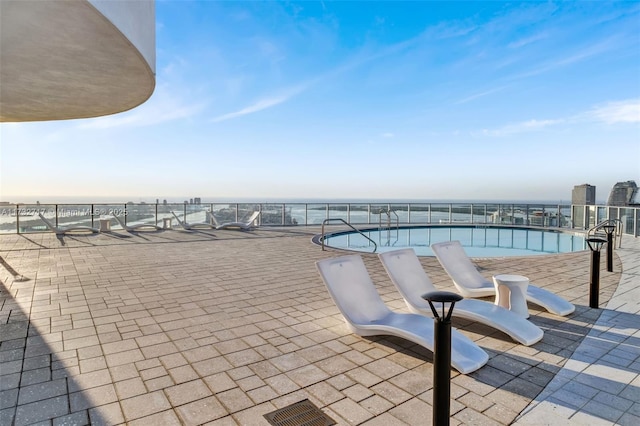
(302, 413)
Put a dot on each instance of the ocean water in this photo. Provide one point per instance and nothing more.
(115, 199)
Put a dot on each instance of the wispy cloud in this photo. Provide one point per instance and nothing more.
(614, 112)
(265, 103)
(521, 127)
(526, 41)
(627, 111)
(585, 53)
(388, 135)
(479, 95)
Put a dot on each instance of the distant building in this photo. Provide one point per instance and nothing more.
(197, 200)
(584, 194)
(623, 194)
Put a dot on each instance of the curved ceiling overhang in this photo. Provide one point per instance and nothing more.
(65, 59)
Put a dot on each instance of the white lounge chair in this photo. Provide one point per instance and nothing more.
(470, 283)
(411, 280)
(192, 226)
(59, 230)
(136, 227)
(244, 226)
(365, 313)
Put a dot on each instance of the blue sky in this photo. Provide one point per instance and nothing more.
(358, 100)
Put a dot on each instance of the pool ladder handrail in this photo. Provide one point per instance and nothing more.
(617, 234)
(388, 225)
(323, 237)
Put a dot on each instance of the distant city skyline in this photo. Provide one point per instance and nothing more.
(357, 101)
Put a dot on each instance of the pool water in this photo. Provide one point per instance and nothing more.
(478, 241)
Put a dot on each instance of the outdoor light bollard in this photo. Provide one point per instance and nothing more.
(595, 244)
(442, 354)
(609, 230)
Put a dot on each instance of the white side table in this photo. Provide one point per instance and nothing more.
(511, 293)
(105, 225)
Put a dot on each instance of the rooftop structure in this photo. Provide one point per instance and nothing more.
(75, 59)
(584, 194)
(623, 194)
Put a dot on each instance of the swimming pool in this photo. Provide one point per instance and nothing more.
(478, 241)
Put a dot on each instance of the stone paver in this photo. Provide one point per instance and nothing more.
(599, 384)
(221, 327)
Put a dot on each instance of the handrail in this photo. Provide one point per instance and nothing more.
(617, 233)
(21, 218)
(388, 224)
(322, 238)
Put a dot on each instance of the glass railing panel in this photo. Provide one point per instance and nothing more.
(479, 213)
(551, 216)
(316, 213)
(338, 211)
(196, 213)
(24, 218)
(440, 213)
(29, 219)
(75, 215)
(166, 211)
(296, 213)
(225, 213)
(419, 213)
(534, 215)
(577, 217)
(358, 214)
(273, 214)
(518, 214)
(245, 211)
(564, 216)
(138, 214)
(8, 218)
(105, 211)
(493, 213)
(461, 213)
(627, 219)
(592, 215)
(401, 215)
(510, 212)
(378, 214)
(499, 215)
